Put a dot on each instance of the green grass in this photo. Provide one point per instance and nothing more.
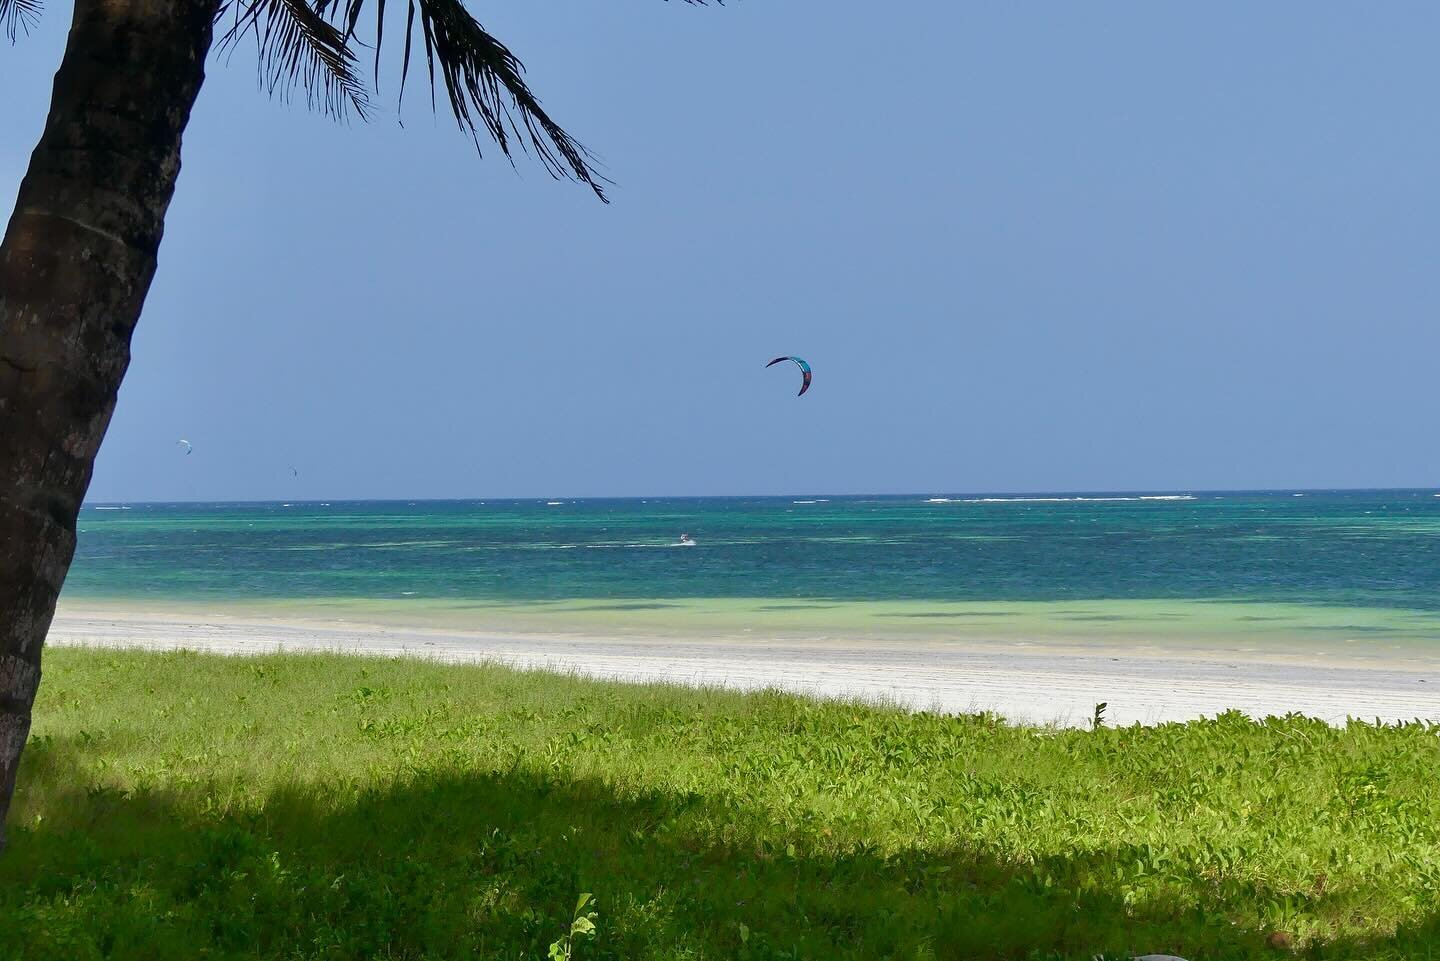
(306, 807)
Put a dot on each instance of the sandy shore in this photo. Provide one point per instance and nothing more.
(1023, 682)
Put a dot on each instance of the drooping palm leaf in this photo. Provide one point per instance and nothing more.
(296, 45)
(487, 89)
(308, 43)
(484, 82)
(17, 16)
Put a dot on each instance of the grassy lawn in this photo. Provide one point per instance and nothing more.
(305, 807)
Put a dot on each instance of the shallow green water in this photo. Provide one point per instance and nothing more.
(1349, 567)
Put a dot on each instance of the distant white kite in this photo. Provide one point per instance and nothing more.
(182, 442)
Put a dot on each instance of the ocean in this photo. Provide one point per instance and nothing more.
(1308, 570)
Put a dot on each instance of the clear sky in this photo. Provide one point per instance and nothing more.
(1025, 247)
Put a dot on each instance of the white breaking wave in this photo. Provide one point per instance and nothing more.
(1070, 500)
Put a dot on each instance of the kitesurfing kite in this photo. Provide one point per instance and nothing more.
(804, 371)
(182, 442)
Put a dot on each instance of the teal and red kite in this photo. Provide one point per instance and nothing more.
(804, 371)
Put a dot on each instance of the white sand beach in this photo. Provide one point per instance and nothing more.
(1022, 682)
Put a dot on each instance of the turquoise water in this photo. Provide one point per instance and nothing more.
(1362, 564)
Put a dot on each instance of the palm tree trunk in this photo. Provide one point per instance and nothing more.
(75, 266)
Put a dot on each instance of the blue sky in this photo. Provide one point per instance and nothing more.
(1024, 246)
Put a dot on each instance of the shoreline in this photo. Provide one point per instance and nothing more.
(1023, 681)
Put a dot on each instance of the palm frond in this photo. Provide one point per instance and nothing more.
(483, 82)
(296, 45)
(487, 89)
(309, 41)
(17, 16)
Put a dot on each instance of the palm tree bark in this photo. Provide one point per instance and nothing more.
(75, 266)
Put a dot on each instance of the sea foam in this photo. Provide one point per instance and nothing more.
(1064, 500)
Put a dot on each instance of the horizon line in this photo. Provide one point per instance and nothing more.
(1158, 492)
